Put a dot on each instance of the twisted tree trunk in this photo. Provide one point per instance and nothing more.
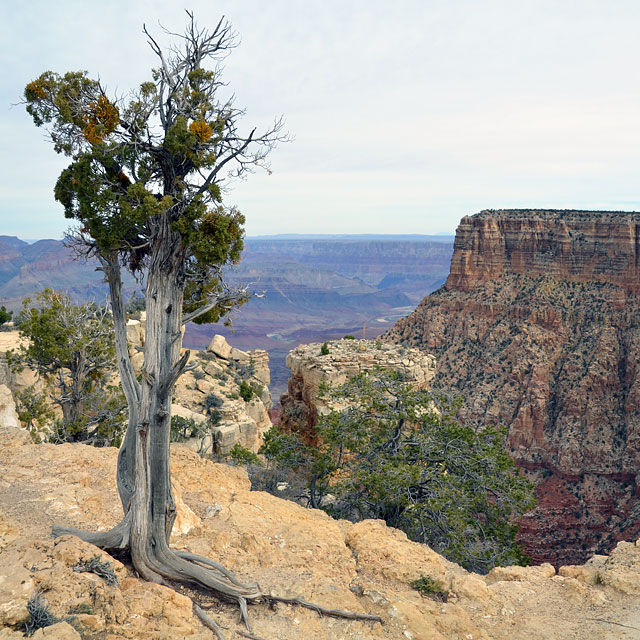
(144, 476)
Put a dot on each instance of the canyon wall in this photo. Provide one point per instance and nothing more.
(538, 327)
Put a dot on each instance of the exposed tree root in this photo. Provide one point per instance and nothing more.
(162, 563)
(208, 621)
(114, 539)
(322, 611)
(244, 634)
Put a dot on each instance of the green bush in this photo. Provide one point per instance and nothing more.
(184, 428)
(5, 316)
(430, 587)
(246, 391)
(212, 401)
(324, 349)
(242, 456)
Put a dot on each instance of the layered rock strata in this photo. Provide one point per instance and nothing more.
(310, 369)
(538, 327)
(289, 550)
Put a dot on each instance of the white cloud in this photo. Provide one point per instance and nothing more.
(405, 117)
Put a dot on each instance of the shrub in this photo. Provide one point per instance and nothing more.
(95, 565)
(199, 374)
(242, 456)
(40, 615)
(246, 391)
(5, 315)
(430, 587)
(184, 428)
(212, 401)
(324, 349)
(400, 455)
(348, 337)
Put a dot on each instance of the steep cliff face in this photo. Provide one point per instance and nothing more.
(538, 327)
(575, 246)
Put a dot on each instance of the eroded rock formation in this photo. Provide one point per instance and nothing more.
(538, 327)
(346, 358)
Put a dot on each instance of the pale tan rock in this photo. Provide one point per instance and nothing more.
(205, 386)
(621, 569)
(137, 360)
(583, 573)
(521, 574)
(134, 332)
(58, 631)
(310, 369)
(8, 414)
(288, 549)
(260, 360)
(186, 519)
(239, 356)
(471, 586)
(220, 347)
(213, 368)
(183, 412)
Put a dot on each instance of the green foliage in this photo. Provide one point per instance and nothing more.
(34, 411)
(158, 152)
(348, 337)
(243, 456)
(400, 454)
(324, 349)
(5, 316)
(212, 401)
(40, 615)
(136, 304)
(100, 568)
(247, 390)
(72, 349)
(430, 587)
(184, 428)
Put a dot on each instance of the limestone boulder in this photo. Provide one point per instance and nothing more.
(220, 347)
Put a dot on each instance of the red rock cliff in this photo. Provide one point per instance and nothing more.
(576, 246)
(538, 327)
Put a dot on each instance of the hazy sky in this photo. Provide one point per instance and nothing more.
(406, 115)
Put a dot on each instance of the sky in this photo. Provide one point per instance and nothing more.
(404, 116)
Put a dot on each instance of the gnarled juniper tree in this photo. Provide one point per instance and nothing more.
(144, 185)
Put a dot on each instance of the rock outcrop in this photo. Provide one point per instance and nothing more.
(213, 384)
(232, 385)
(538, 327)
(301, 405)
(289, 550)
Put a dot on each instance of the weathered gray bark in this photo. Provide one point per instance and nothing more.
(144, 478)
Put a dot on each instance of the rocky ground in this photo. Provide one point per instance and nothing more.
(287, 549)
